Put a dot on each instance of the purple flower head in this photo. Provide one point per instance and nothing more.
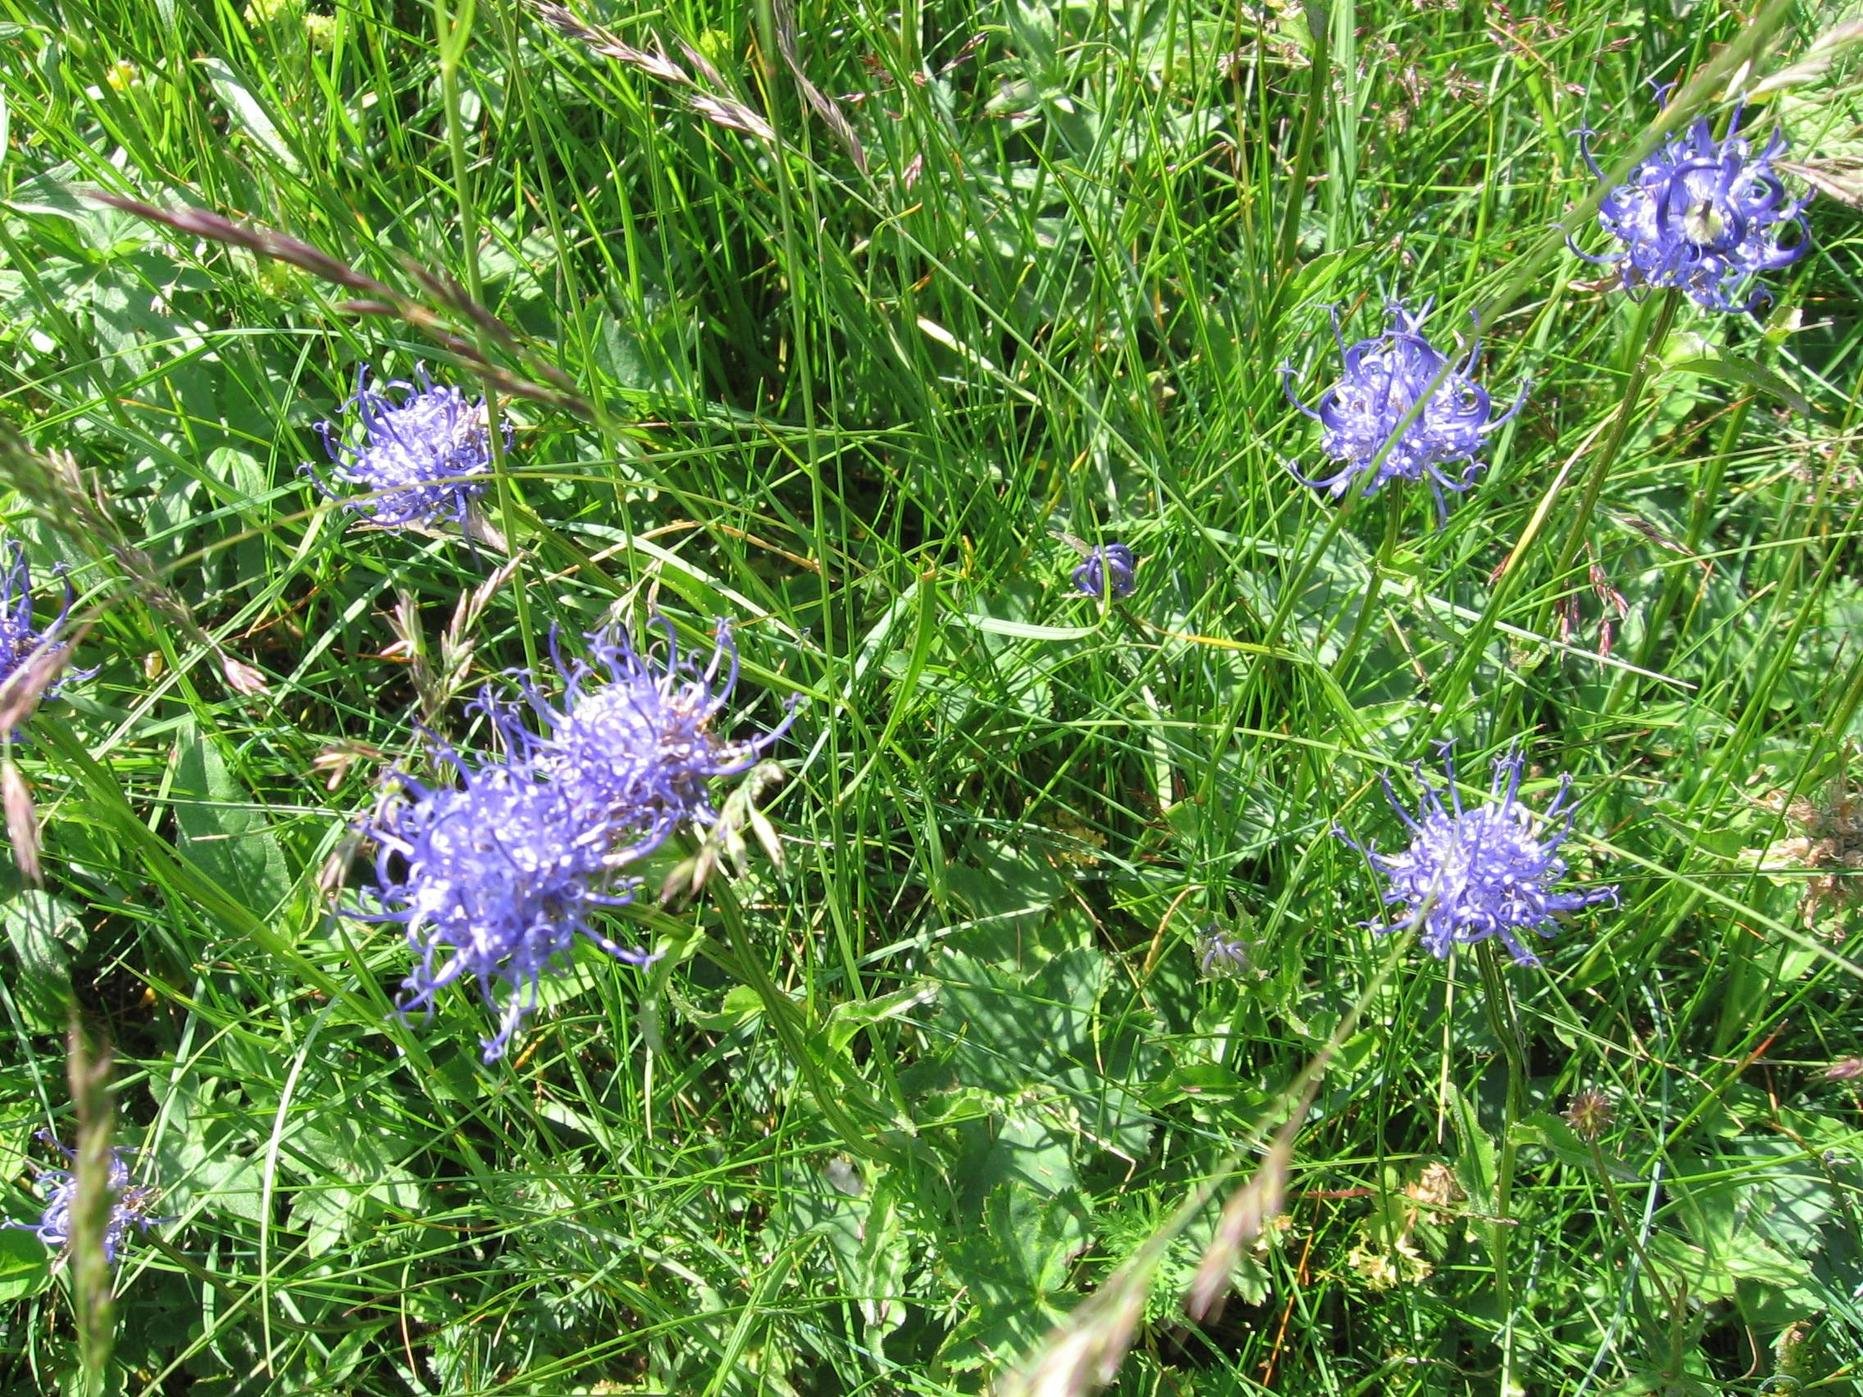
(1109, 565)
(494, 879)
(19, 640)
(635, 743)
(1385, 379)
(419, 459)
(129, 1204)
(1704, 215)
(1223, 955)
(1474, 873)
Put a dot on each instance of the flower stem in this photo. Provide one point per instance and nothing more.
(453, 31)
(1498, 1001)
(1622, 1221)
(1647, 337)
(1362, 622)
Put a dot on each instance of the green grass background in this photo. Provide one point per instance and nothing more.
(881, 1117)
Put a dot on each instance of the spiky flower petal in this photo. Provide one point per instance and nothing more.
(1706, 216)
(1470, 874)
(425, 457)
(1396, 376)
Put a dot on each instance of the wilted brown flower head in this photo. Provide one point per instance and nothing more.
(1435, 1191)
(1828, 846)
(1589, 1113)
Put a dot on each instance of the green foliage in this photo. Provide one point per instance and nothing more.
(830, 327)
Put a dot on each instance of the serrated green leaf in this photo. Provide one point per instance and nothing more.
(1016, 1034)
(1476, 1167)
(1013, 1268)
(241, 470)
(1005, 885)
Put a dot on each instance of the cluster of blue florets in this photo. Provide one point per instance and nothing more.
(20, 639)
(1108, 569)
(493, 880)
(1471, 873)
(633, 738)
(1402, 411)
(129, 1203)
(423, 458)
(495, 877)
(1704, 216)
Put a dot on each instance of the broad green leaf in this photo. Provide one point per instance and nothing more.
(1476, 1166)
(223, 832)
(248, 113)
(1322, 616)
(738, 1007)
(1744, 373)
(370, 1179)
(1013, 1269)
(1039, 1036)
(1005, 886)
(45, 932)
(25, 1264)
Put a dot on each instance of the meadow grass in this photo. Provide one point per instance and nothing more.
(829, 323)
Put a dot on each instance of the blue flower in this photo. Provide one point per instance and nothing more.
(19, 639)
(425, 457)
(1384, 379)
(1105, 564)
(129, 1204)
(493, 880)
(1223, 955)
(1703, 215)
(634, 743)
(1470, 874)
